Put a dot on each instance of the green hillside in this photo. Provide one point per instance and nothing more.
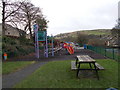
(97, 32)
(87, 32)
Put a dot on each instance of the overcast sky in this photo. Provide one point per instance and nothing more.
(74, 15)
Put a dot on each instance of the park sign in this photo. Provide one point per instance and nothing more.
(41, 36)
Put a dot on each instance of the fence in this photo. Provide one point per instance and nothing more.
(112, 53)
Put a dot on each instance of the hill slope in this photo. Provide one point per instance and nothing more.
(87, 32)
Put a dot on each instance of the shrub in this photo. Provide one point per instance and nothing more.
(16, 47)
(9, 40)
(82, 38)
(96, 42)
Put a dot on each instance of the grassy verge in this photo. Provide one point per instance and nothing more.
(9, 67)
(58, 74)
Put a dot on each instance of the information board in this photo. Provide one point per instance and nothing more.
(41, 36)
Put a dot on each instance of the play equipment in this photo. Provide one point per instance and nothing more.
(69, 47)
(41, 36)
(70, 50)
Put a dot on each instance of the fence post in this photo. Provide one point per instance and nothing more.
(92, 48)
(100, 50)
(105, 51)
(95, 49)
(113, 52)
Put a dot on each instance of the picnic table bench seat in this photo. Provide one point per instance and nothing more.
(73, 66)
(99, 67)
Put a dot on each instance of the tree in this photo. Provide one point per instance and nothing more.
(24, 14)
(8, 11)
(27, 15)
(82, 38)
(42, 23)
(3, 18)
(116, 31)
(96, 42)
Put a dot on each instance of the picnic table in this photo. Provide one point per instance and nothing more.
(80, 59)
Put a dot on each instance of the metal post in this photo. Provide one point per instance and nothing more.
(96, 49)
(36, 40)
(52, 46)
(37, 45)
(100, 50)
(44, 50)
(105, 51)
(46, 46)
(113, 52)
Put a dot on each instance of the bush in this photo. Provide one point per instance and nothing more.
(25, 41)
(9, 40)
(16, 47)
(96, 42)
(82, 38)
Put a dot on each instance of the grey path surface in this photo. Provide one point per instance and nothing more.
(10, 80)
(60, 56)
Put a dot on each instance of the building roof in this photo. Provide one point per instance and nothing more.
(10, 26)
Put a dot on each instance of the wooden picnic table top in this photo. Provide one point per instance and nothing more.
(85, 58)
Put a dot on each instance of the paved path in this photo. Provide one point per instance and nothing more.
(61, 55)
(11, 79)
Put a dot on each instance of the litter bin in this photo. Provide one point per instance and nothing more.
(85, 46)
(5, 56)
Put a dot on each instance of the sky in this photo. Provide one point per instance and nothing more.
(75, 15)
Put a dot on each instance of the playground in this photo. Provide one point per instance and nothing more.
(60, 44)
(46, 72)
(50, 67)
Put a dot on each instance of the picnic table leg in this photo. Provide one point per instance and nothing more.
(90, 65)
(76, 61)
(96, 71)
(78, 69)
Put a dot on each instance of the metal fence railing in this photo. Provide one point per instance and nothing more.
(112, 53)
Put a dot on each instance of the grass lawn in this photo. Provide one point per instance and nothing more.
(58, 74)
(9, 67)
